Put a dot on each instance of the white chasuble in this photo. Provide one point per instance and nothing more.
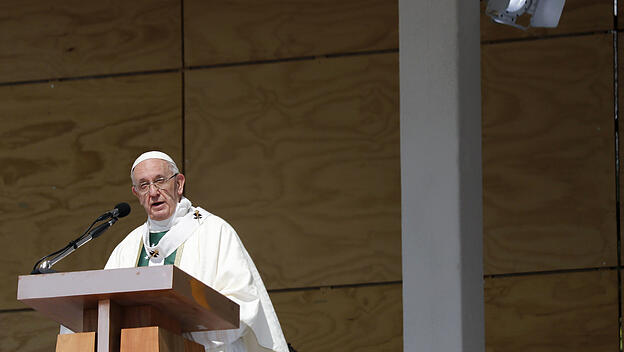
(214, 254)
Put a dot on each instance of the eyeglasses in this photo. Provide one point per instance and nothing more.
(144, 187)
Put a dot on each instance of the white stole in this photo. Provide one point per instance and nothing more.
(180, 226)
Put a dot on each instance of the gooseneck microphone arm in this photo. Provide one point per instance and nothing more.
(44, 265)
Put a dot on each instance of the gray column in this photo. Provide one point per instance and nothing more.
(441, 175)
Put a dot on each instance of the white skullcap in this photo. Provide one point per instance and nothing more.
(154, 154)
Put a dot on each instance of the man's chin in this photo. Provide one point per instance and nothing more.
(159, 215)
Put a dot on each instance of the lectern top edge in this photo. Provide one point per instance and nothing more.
(64, 297)
(95, 282)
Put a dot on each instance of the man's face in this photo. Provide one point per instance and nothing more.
(159, 203)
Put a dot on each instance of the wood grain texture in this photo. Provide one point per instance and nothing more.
(249, 30)
(552, 313)
(138, 316)
(548, 155)
(78, 342)
(66, 150)
(303, 159)
(42, 39)
(343, 319)
(27, 332)
(579, 16)
(156, 339)
(139, 339)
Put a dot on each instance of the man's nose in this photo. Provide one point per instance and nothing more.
(153, 190)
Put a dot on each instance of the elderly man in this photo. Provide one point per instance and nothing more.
(203, 245)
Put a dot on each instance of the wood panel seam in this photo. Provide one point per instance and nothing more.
(16, 310)
(311, 288)
(82, 78)
(183, 87)
(616, 147)
(546, 37)
(182, 69)
(551, 272)
(291, 59)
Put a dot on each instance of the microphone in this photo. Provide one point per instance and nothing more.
(120, 210)
(103, 227)
(44, 265)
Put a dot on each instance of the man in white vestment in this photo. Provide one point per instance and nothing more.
(203, 245)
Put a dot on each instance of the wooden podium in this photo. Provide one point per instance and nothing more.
(120, 309)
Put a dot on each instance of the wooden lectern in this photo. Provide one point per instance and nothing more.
(132, 309)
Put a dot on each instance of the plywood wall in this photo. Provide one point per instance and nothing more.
(66, 151)
(548, 154)
(555, 312)
(309, 149)
(72, 38)
(283, 115)
(550, 183)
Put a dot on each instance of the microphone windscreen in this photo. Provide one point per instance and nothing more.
(124, 209)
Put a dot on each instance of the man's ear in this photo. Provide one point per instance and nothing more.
(134, 192)
(180, 179)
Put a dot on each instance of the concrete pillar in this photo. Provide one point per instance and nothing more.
(441, 175)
